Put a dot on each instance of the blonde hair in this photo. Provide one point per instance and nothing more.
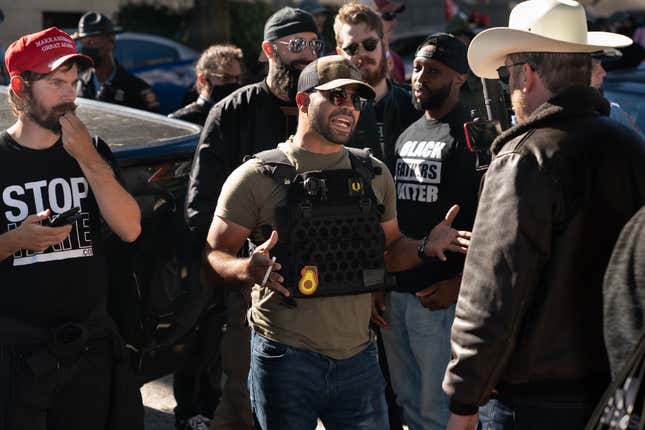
(357, 13)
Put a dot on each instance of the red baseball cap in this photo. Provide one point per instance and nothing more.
(41, 52)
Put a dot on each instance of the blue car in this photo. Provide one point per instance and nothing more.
(168, 66)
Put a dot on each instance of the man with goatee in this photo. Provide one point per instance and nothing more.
(62, 361)
(359, 38)
(252, 119)
(313, 355)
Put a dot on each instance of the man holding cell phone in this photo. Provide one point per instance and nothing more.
(59, 350)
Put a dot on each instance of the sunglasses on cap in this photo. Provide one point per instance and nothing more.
(298, 45)
(368, 44)
(504, 73)
(388, 16)
(339, 96)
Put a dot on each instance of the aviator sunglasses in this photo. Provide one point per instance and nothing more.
(339, 96)
(368, 44)
(504, 73)
(296, 46)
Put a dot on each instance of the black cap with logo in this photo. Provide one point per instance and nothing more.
(446, 49)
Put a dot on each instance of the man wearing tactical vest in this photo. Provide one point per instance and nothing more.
(326, 214)
(251, 119)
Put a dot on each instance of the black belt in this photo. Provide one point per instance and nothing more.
(65, 340)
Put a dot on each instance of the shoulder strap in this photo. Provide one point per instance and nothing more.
(362, 163)
(276, 164)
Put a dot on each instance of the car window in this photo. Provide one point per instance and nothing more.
(140, 53)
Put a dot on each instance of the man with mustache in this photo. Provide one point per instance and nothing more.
(527, 340)
(254, 118)
(359, 38)
(108, 81)
(314, 356)
(61, 358)
(434, 170)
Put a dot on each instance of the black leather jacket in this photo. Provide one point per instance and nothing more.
(557, 193)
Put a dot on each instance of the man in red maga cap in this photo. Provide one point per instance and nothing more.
(62, 361)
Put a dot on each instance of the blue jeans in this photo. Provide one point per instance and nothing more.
(535, 414)
(417, 345)
(291, 388)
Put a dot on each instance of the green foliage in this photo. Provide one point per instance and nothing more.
(247, 28)
(154, 18)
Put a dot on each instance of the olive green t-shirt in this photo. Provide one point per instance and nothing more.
(337, 327)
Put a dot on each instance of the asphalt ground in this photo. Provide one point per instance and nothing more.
(159, 403)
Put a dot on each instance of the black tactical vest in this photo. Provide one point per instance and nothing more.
(330, 237)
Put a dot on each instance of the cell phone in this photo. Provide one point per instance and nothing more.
(65, 218)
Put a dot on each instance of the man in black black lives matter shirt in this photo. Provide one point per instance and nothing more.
(433, 171)
(62, 363)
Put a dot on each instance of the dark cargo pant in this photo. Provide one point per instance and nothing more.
(39, 392)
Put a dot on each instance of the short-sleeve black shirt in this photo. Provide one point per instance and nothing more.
(67, 281)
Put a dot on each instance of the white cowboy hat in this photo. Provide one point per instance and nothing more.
(538, 26)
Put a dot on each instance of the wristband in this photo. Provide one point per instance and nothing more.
(421, 249)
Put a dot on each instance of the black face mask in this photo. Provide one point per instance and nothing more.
(220, 91)
(93, 53)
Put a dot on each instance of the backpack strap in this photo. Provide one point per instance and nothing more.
(276, 164)
(362, 164)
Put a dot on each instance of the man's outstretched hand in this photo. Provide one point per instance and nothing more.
(444, 238)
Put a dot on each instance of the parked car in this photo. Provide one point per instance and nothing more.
(154, 303)
(168, 66)
(627, 88)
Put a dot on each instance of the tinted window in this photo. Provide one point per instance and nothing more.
(139, 53)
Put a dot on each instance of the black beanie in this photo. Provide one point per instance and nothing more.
(286, 21)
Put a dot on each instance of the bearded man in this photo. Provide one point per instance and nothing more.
(527, 339)
(254, 118)
(312, 353)
(360, 39)
(62, 362)
(433, 170)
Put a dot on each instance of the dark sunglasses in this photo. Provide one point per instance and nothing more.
(296, 46)
(339, 96)
(504, 73)
(368, 44)
(388, 16)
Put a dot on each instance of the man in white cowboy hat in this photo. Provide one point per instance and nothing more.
(527, 332)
